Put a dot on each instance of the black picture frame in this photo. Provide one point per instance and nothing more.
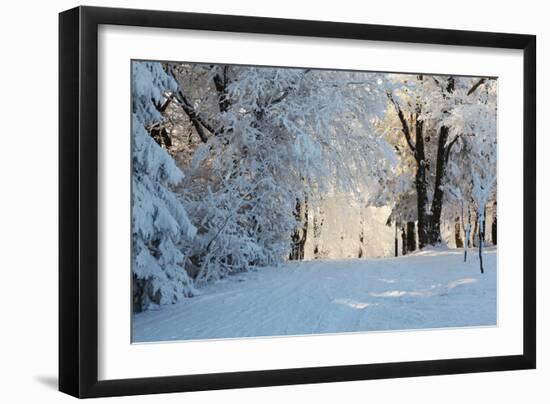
(78, 201)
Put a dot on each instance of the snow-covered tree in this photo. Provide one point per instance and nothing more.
(435, 114)
(159, 220)
(262, 148)
(267, 144)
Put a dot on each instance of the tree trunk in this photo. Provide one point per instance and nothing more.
(481, 238)
(396, 243)
(304, 230)
(475, 234)
(483, 224)
(361, 234)
(494, 229)
(429, 218)
(481, 257)
(434, 233)
(458, 233)
(466, 228)
(411, 237)
(318, 221)
(421, 186)
(221, 82)
(403, 241)
(467, 238)
(299, 235)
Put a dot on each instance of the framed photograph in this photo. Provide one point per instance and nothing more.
(251, 201)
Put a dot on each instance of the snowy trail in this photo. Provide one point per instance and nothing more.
(429, 289)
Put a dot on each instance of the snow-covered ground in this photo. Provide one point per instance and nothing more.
(429, 289)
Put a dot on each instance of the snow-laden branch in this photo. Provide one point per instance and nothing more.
(476, 86)
(405, 126)
(196, 119)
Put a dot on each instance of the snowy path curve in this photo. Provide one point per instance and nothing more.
(430, 289)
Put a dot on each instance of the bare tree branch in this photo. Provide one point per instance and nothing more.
(198, 122)
(161, 107)
(280, 98)
(221, 82)
(476, 86)
(406, 130)
(448, 148)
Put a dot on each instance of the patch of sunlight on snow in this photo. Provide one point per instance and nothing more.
(458, 282)
(437, 251)
(397, 293)
(353, 303)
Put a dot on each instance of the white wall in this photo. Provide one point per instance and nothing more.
(28, 206)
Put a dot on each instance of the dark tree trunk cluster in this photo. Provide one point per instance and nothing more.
(429, 216)
(411, 236)
(408, 238)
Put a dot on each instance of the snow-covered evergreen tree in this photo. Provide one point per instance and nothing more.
(159, 220)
